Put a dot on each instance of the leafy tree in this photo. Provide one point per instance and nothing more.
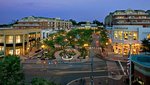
(146, 45)
(79, 23)
(10, 71)
(40, 81)
(49, 43)
(97, 22)
(73, 22)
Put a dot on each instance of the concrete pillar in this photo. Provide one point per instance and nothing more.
(4, 36)
(23, 44)
(123, 43)
(27, 42)
(14, 44)
(36, 39)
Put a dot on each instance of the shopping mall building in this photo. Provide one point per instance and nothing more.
(18, 42)
(127, 28)
(43, 23)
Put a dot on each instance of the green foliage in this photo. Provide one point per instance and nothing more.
(10, 71)
(98, 23)
(82, 22)
(84, 52)
(73, 22)
(40, 81)
(146, 45)
(103, 37)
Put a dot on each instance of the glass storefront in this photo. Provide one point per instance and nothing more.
(18, 39)
(9, 39)
(124, 35)
(10, 52)
(148, 36)
(120, 48)
(1, 39)
(18, 51)
(1, 48)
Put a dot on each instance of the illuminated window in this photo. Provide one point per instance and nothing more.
(11, 52)
(120, 35)
(18, 39)
(1, 39)
(17, 51)
(10, 39)
(1, 48)
(126, 35)
(115, 35)
(134, 36)
(148, 36)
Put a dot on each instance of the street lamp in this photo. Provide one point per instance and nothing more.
(130, 74)
(91, 56)
(92, 83)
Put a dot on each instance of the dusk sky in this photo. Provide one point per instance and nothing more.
(79, 10)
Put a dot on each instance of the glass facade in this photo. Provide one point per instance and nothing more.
(1, 48)
(1, 39)
(148, 36)
(125, 35)
(18, 51)
(11, 52)
(120, 48)
(18, 39)
(9, 39)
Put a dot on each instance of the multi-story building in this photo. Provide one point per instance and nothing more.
(88, 25)
(43, 23)
(18, 42)
(128, 17)
(127, 28)
(140, 69)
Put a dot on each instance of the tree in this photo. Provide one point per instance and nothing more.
(11, 72)
(40, 81)
(73, 22)
(79, 23)
(97, 22)
(146, 45)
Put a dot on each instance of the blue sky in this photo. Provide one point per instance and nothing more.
(79, 10)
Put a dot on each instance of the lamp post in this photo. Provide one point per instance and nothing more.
(91, 77)
(130, 75)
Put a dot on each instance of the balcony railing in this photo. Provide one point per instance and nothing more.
(147, 18)
(131, 14)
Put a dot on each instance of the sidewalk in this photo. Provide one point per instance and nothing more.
(116, 58)
(104, 80)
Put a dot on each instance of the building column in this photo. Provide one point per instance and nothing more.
(123, 43)
(28, 43)
(23, 42)
(4, 36)
(36, 39)
(55, 24)
(14, 45)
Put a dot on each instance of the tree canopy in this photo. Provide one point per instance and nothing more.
(10, 71)
(146, 45)
(40, 81)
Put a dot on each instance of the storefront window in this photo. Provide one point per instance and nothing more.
(17, 51)
(18, 39)
(1, 48)
(1, 39)
(135, 36)
(148, 36)
(9, 39)
(11, 52)
(118, 35)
